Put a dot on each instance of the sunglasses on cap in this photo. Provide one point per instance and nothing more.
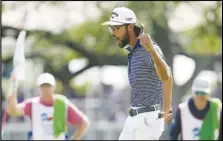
(200, 93)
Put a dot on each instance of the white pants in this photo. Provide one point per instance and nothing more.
(144, 126)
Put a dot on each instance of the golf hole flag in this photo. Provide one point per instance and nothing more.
(19, 57)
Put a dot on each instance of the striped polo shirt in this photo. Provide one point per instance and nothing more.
(146, 86)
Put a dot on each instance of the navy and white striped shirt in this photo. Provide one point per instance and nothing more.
(146, 85)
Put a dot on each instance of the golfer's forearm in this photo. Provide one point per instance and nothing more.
(161, 66)
(167, 93)
(80, 130)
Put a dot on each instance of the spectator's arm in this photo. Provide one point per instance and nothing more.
(79, 120)
(22, 109)
(175, 129)
(12, 104)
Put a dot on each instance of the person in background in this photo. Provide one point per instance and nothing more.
(218, 91)
(199, 117)
(220, 135)
(49, 112)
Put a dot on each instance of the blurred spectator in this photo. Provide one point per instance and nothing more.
(2, 95)
(107, 103)
(3, 100)
(20, 98)
(6, 70)
(218, 91)
(69, 92)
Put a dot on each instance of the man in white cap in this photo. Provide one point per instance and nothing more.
(199, 117)
(49, 112)
(149, 75)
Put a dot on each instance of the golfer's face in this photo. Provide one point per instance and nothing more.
(118, 32)
(46, 89)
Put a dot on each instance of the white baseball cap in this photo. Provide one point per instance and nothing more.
(201, 84)
(120, 16)
(46, 78)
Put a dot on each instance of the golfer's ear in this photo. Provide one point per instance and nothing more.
(131, 27)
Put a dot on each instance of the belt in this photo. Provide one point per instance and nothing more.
(134, 112)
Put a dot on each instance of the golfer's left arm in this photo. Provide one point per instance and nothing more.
(165, 74)
(79, 120)
(162, 69)
(167, 94)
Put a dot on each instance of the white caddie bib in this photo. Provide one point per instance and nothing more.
(42, 122)
(190, 125)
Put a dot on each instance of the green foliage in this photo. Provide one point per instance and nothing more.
(205, 38)
(56, 54)
(80, 89)
(59, 87)
(55, 3)
(3, 7)
(39, 42)
(206, 44)
(95, 37)
(149, 11)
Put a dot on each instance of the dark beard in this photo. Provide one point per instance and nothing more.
(125, 41)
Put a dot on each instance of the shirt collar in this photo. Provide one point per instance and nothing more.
(48, 103)
(129, 49)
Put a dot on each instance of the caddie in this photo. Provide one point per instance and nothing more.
(49, 112)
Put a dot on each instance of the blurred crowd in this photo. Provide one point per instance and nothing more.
(114, 102)
(106, 104)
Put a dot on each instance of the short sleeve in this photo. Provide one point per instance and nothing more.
(148, 56)
(75, 116)
(27, 107)
(159, 50)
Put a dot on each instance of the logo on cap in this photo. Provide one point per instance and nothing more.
(128, 19)
(113, 14)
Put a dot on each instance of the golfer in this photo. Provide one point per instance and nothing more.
(149, 76)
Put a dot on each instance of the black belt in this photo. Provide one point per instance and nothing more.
(134, 112)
